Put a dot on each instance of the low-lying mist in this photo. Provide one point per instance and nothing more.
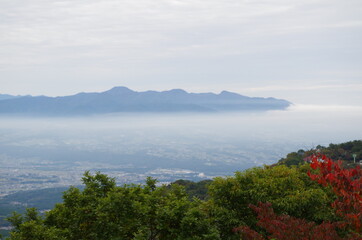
(49, 152)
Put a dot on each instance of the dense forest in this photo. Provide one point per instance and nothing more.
(305, 195)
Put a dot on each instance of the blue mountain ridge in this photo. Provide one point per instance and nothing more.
(122, 99)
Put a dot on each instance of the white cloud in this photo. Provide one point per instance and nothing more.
(326, 108)
(355, 87)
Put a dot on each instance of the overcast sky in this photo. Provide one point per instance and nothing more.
(306, 51)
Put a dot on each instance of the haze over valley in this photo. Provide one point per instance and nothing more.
(39, 152)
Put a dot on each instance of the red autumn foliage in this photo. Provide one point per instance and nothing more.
(285, 227)
(346, 184)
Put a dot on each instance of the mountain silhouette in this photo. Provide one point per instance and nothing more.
(122, 99)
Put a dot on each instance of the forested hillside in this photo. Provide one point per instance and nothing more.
(343, 151)
(316, 200)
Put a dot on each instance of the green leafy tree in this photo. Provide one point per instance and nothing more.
(31, 226)
(290, 190)
(106, 211)
(293, 159)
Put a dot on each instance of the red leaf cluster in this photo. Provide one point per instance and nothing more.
(285, 227)
(346, 184)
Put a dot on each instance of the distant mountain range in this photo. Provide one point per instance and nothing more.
(7, 96)
(122, 99)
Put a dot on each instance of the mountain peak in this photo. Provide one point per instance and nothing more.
(230, 94)
(119, 90)
(177, 91)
